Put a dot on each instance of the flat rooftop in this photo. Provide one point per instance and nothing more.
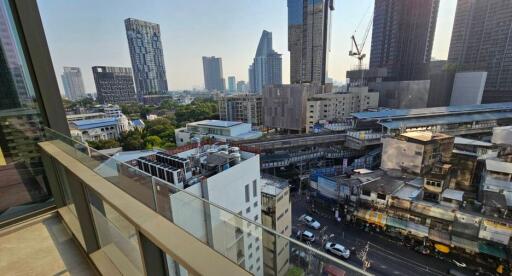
(216, 123)
(424, 136)
(273, 185)
(432, 111)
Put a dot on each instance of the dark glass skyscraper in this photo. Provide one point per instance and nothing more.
(114, 84)
(402, 37)
(213, 75)
(267, 65)
(482, 40)
(309, 29)
(147, 57)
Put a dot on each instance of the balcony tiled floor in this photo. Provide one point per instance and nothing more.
(42, 248)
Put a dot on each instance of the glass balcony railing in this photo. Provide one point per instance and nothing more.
(243, 241)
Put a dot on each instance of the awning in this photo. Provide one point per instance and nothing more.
(396, 222)
(442, 248)
(465, 243)
(373, 217)
(491, 250)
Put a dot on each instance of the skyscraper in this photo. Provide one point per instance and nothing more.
(231, 84)
(309, 29)
(267, 65)
(213, 76)
(114, 85)
(73, 83)
(147, 57)
(482, 40)
(402, 38)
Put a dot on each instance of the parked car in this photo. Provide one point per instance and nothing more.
(311, 222)
(306, 236)
(337, 249)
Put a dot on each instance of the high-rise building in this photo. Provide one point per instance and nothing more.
(73, 83)
(267, 65)
(213, 76)
(147, 57)
(114, 84)
(241, 86)
(481, 41)
(309, 29)
(231, 84)
(402, 38)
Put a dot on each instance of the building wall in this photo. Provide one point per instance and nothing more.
(402, 37)
(213, 75)
(309, 39)
(339, 105)
(468, 88)
(114, 85)
(398, 154)
(73, 83)
(284, 106)
(481, 40)
(241, 108)
(228, 189)
(147, 57)
(402, 94)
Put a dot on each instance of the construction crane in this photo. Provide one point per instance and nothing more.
(359, 47)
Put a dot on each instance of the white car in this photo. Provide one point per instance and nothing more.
(306, 236)
(311, 222)
(337, 249)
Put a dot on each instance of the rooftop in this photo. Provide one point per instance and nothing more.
(432, 111)
(94, 123)
(424, 136)
(448, 118)
(466, 141)
(453, 194)
(273, 185)
(216, 123)
(386, 185)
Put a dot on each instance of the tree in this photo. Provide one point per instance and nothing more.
(152, 141)
(104, 144)
(132, 140)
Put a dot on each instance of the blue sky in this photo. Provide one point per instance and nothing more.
(87, 33)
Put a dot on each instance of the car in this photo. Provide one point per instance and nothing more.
(311, 222)
(306, 236)
(337, 250)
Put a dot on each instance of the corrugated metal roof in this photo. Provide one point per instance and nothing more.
(432, 111)
(447, 119)
(94, 123)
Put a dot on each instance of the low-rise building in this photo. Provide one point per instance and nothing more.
(338, 106)
(276, 213)
(245, 108)
(225, 176)
(217, 130)
(416, 152)
(95, 129)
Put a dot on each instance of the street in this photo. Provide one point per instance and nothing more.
(386, 257)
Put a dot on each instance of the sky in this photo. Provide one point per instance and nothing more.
(86, 33)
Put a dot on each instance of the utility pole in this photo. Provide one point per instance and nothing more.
(363, 256)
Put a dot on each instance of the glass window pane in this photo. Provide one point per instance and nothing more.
(23, 187)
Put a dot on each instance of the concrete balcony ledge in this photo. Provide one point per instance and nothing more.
(195, 256)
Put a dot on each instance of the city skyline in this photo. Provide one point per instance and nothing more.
(183, 47)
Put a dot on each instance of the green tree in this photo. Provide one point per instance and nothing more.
(132, 140)
(104, 144)
(152, 141)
